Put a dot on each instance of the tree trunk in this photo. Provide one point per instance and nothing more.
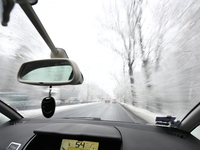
(130, 71)
(147, 73)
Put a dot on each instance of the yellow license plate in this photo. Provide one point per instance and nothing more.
(68, 144)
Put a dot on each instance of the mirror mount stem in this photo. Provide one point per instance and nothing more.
(27, 8)
(61, 54)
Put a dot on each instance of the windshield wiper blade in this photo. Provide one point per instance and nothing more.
(92, 118)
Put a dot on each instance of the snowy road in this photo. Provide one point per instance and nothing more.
(104, 111)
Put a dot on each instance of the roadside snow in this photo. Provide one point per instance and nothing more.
(38, 112)
(143, 113)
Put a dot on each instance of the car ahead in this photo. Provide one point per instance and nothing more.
(107, 100)
(114, 101)
(73, 100)
(18, 132)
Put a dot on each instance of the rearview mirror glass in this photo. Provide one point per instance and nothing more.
(62, 72)
(50, 72)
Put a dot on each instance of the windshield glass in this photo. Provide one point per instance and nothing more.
(139, 58)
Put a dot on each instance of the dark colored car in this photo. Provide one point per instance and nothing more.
(107, 101)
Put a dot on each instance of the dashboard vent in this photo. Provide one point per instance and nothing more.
(179, 134)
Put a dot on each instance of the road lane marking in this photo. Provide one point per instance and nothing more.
(132, 118)
(89, 115)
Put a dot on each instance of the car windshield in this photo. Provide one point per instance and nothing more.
(139, 58)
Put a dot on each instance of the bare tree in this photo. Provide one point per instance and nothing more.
(153, 44)
(122, 22)
(145, 50)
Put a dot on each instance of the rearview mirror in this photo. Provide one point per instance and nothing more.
(57, 71)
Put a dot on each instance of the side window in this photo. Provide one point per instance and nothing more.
(196, 132)
(3, 119)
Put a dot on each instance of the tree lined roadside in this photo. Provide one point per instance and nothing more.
(158, 43)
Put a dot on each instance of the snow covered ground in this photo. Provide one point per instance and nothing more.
(38, 112)
(140, 112)
(143, 113)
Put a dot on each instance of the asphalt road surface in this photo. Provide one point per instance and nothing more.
(104, 111)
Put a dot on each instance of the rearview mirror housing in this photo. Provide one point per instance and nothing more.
(49, 72)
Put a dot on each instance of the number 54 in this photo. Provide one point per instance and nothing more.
(80, 144)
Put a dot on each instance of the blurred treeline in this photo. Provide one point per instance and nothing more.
(158, 42)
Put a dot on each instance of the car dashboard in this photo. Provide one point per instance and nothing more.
(75, 136)
(83, 134)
